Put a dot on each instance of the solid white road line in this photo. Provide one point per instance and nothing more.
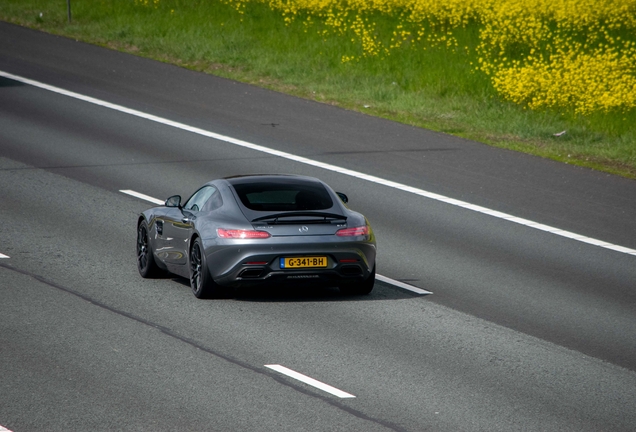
(377, 276)
(2, 256)
(310, 381)
(4, 429)
(142, 196)
(325, 166)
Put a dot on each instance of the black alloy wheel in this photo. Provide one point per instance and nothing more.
(202, 284)
(361, 288)
(145, 260)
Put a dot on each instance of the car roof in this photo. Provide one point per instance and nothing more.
(274, 178)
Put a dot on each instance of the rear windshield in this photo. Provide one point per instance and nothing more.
(266, 196)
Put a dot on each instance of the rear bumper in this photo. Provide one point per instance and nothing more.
(237, 266)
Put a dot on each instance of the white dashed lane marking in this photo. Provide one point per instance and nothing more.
(310, 381)
(142, 196)
(402, 285)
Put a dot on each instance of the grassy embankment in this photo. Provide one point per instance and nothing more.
(377, 64)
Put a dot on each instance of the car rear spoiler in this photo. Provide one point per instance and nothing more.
(300, 217)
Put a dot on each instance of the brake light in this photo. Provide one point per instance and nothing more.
(352, 232)
(242, 234)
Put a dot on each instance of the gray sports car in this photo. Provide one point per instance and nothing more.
(259, 229)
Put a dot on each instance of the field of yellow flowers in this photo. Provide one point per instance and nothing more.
(570, 54)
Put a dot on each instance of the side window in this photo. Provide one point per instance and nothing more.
(198, 200)
(214, 202)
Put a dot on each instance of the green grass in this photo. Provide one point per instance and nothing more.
(436, 88)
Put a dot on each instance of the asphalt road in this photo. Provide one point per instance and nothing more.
(526, 330)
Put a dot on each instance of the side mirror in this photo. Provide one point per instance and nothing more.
(174, 201)
(343, 197)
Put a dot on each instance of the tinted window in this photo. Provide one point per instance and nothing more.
(266, 196)
(214, 202)
(199, 200)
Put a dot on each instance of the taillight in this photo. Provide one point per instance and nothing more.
(352, 232)
(242, 234)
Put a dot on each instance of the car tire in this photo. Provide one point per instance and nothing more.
(145, 257)
(201, 282)
(361, 288)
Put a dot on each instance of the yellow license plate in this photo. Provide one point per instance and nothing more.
(303, 262)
